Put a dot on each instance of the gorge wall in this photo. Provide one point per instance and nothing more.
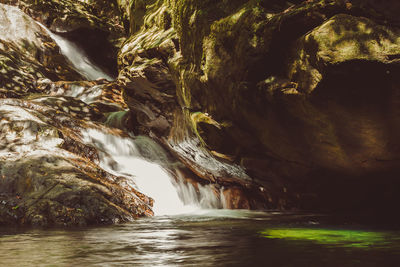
(279, 104)
(303, 96)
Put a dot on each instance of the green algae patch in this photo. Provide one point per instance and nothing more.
(331, 237)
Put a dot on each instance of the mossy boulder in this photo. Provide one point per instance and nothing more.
(342, 39)
(149, 89)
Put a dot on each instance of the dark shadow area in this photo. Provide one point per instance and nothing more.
(361, 100)
(372, 198)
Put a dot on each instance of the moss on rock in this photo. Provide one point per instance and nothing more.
(342, 39)
(268, 69)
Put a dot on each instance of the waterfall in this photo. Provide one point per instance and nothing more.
(139, 159)
(145, 164)
(77, 57)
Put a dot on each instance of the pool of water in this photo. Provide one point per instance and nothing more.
(206, 238)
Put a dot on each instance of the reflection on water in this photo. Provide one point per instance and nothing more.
(335, 237)
(208, 238)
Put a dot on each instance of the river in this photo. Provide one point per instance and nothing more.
(205, 238)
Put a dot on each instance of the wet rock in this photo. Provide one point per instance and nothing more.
(147, 60)
(235, 199)
(100, 95)
(151, 99)
(206, 65)
(49, 172)
(94, 25)
(27, 54)
(66, 15)
(54, 191)
(49, 175)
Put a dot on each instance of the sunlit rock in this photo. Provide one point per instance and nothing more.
(100, 95)
(27, 54)
(342, 39)
(49, 174)
(94, 25)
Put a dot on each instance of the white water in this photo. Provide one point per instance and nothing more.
(140, 159)
(77, 57)
(128, 157)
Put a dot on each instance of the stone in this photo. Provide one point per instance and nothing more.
(94, 25)
(49, 176)
(285, 83)
(342, 39)
(27, 54)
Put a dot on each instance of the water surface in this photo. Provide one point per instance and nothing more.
(206, 238)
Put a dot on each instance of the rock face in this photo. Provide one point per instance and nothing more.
(277, 104)
(27, 54)
(348, 69)
(94, 24)
(302, 97)
(342, 39)
(49, 175)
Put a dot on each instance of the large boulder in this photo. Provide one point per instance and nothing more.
(340, 40)
(337, 114)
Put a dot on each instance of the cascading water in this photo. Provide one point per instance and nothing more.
(139, 159)
(77, 57)
(120, 156)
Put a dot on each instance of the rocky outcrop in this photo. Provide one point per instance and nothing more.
(49, 174)
(342, 39)
(27, 54)
(345, 75)
(94, 25)
(302, 97)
